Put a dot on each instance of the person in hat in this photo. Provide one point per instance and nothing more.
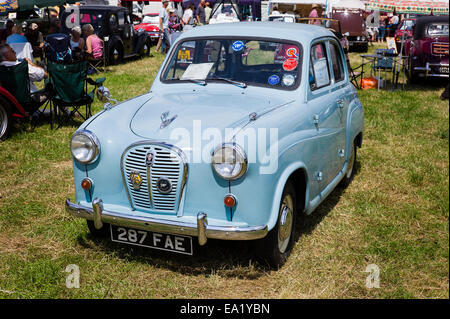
(36, 39)
(314, 14)
(164, 27)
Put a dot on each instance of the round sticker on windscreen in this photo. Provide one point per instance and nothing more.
(292, 52)
(273, 79)
(290, 64)
(288, 80)
(238, 45)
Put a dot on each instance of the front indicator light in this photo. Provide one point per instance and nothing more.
(86, 184)
(229, 200)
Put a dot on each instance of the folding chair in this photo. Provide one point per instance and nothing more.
(70, 85)
(57, 48)
(15, 80)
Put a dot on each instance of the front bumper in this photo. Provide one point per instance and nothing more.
(431, 70)
(202, 230)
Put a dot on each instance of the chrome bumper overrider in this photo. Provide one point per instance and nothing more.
(202, 230)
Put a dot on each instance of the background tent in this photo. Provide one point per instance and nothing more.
(410, 6)
(22, 5)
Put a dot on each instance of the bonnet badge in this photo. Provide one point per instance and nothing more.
(165, 120)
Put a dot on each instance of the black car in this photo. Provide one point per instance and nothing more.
(113, 25)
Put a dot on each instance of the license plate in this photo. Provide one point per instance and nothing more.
(443, 69)
(174, 243)
(184, 55)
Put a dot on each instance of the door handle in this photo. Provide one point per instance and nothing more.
(340, 104)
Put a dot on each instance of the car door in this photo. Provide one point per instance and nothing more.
(323, 97)
(126, 29)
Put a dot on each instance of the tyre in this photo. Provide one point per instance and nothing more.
(350, 172)
(98, 233)
(145, 51)
(276, 247)
(5, 118)
(364, 48)
(412, 77)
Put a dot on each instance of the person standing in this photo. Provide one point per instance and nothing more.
(314, 14)
(200, 14)
(207, 11)
(164, 27)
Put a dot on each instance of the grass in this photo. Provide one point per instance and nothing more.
(395, 214)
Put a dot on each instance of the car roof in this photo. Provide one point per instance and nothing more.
(102, 8)
(299, 32)
(423, 22)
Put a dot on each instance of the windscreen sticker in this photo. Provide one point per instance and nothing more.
(292, 52)
(290, 64)
(288, 80)
(238, 45)
(273, 79)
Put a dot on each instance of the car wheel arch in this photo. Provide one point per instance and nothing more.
(297, 173)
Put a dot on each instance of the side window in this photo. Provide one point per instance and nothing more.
(319, 73)
(113, 20)
(121, 16)
(336, 60)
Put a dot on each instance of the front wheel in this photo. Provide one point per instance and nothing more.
(5, 119)
(276, 247)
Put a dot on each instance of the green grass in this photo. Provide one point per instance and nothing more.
(394, 214)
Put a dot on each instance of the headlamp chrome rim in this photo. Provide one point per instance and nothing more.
(239, 150)
(95, 141)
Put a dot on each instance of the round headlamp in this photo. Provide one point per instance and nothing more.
(85, 146)
(229, 161)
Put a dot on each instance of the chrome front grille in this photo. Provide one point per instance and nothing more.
(167, 164)
(440, 48)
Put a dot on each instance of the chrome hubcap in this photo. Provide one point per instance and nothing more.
(351, 162)
(3, 121)
(285, 223)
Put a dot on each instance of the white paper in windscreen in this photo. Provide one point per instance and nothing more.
(197, 71)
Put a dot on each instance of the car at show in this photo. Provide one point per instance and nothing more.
(150, 24)
(404, 32)
(428, 50)
(227, 144)
(114, 25)
(353, 23)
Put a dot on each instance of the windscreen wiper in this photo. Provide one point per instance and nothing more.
(196, 81)
(237, 83)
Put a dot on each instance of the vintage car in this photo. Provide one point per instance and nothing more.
(404, 32)
(150, 24)
(231, 146)
(224, 13)
(428, 50)
(353, 23)
(113, 25)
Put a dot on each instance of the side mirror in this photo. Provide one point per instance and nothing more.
(346, 34)
(104, 95)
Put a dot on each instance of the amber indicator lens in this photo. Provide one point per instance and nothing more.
(229, 200)
(86, 184)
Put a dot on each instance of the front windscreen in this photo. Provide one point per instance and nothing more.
(151, 19)
(236, 61)
(438, 29)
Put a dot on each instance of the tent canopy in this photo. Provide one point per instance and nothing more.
(321, 2)
(347, 4)
(21, 5)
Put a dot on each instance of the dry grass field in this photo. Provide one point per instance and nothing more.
(395, 214)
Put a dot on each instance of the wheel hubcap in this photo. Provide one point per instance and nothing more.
(3, 121)
(351, 162)
(285, 223)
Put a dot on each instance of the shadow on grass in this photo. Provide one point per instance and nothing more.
(229, 259)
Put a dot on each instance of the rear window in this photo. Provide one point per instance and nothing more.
(440, 29)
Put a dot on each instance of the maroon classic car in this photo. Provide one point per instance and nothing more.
(428, 50)
(352, 22)
(150, 24)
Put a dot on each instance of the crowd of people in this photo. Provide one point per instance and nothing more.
(386, 27)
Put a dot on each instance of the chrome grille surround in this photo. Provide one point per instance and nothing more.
(169, 162)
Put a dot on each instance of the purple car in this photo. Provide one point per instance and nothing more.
(428, 50)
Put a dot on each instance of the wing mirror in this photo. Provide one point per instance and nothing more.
(346, 34)
(104, 95)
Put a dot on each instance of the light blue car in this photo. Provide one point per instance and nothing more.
(247, 126)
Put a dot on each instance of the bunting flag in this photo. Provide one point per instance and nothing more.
(410, 6)
(8, 5)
